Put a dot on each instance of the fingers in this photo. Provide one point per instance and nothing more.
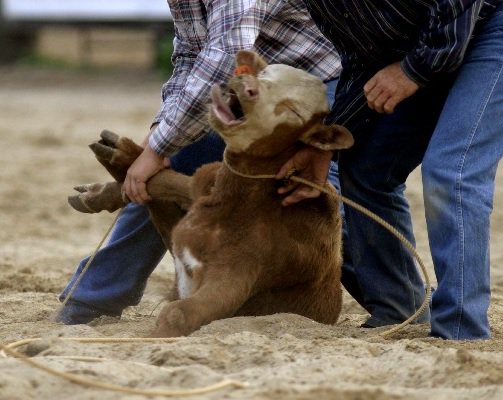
(303, 192)
(312, 165)
(286, 169)
(390, 104)
(136, 190)
(387, 88)
(143, 168)
(299, 192)
(370, 86)
(384, 102)
(291, 185)
(379, 98)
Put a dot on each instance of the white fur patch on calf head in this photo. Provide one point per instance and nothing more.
(185, 265)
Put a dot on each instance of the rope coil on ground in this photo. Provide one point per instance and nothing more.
(7, 350)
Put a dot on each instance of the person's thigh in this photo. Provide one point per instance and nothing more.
(209, 148)
(386, 154)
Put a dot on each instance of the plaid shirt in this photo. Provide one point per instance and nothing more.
(207, 36)
(428, 37)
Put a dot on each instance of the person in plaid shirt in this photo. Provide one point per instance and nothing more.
(207, 36)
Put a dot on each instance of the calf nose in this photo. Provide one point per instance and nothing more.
(251, 90)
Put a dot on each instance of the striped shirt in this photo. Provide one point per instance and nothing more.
(428, 37)
(207, 36)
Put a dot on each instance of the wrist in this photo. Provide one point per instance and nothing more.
(152, 154)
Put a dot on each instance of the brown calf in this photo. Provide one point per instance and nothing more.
(237, 250)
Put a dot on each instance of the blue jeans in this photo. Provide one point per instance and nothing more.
(119, 272)
(459, 167)
(373, 173)
(458, 173)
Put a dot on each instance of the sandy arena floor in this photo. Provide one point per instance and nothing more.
(47, 119)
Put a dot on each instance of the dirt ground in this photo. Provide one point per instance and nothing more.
(47, 119)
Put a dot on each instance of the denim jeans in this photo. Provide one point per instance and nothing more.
(384, 276)
(458, 173)
(459, 167)
(119, 272)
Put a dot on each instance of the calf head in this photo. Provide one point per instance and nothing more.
(268, 108)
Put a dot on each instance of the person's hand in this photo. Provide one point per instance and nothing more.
(313, 165)
(144, 167)
(387, 88)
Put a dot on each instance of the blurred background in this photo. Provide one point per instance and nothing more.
(86, 34)
(68, 70)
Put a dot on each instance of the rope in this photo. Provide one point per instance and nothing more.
(372, 216)
(8, 349)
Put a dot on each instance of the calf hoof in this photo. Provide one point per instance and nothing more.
(105, 148)
(109, 137)
(170, 323)
(116, 153)
(96, 197)
(102, 151)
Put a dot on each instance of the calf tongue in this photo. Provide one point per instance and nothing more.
(220, 106)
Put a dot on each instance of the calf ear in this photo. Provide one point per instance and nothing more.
(329, 137)
(252, 59)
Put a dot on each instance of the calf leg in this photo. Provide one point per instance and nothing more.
(167, 186)
(165, 215)
(182, 317)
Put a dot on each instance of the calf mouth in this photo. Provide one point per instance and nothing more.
(226, 107)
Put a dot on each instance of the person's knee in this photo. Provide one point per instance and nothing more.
(437, 192)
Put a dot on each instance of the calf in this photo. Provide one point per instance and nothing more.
(237, 250)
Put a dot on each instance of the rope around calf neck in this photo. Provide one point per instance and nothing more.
(372, 216)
